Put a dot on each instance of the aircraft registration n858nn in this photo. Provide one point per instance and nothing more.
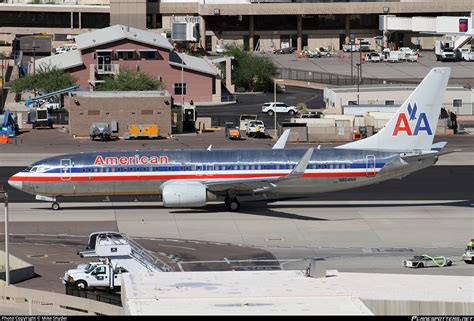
(191, 178)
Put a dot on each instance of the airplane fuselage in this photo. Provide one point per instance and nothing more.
(144, 172)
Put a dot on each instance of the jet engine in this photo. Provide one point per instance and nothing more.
(184, 194)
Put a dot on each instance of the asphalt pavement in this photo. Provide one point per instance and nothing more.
(252, 104)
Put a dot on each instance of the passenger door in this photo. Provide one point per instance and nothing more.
(65, 165)
(370, 165)
(99, 277)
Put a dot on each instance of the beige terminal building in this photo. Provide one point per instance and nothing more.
(256, 24)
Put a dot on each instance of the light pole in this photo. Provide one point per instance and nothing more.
(274, 101)
(182, 79)
(7, 254)
(360, 56)
(358, 81)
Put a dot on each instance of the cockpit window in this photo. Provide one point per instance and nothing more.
(28, 169)
(37, 169)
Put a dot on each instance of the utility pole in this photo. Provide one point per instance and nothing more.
(352, 65)
(360, 58)
(358, 81)
(182, 79)
(7, 253)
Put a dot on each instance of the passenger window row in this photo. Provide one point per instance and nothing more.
(209, 168)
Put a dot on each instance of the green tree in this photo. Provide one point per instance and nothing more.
(251, 73)
(129, 80)
(45, 79)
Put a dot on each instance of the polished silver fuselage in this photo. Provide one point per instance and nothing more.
(123, 173)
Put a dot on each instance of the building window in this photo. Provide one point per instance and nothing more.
(148, 54)
(93, 112)
(389, 102)
(126, 55)
(147, 112)
(179, 88)
(457, 103)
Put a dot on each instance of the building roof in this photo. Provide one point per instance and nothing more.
(122, 94)
(119, 32)
(191, 62)
(282, 292)
(65, 60)
(232, 293)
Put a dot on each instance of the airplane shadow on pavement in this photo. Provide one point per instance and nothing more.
(267, 209)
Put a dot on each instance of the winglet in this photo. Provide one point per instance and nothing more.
(299, 169)
(209, 148)
(281, 142)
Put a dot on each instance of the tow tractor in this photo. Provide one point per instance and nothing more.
(424, 260)
(468, 255)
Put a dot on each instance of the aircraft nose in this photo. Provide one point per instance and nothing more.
(15, 183)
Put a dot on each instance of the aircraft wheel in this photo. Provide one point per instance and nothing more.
(232, 204)
(55, 206)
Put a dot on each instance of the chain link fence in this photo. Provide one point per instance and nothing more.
(331, 79)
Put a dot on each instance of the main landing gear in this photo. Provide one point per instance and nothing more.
(55, 206)
(232, 204)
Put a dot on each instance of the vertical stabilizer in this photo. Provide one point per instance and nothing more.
(413, 126)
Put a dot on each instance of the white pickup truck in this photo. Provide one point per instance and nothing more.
(102, 274)
(255, 128)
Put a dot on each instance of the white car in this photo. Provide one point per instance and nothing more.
(255, 128)
(278, 107)
(373, 57)
(65, 48)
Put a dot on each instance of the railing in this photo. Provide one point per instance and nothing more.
(330, 79)
(106, 68)
(97, 295)
(59, 2)
(144, 257)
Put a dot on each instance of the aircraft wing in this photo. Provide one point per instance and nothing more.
(259, 184)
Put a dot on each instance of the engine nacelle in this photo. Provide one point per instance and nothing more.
(184, 194)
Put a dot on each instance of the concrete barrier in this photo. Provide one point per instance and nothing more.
(410, 307)
(19, 269)
(57, 303)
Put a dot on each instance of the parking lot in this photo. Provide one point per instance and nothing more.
(340, 63)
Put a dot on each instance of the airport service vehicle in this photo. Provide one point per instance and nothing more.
(191, 178)
(278, 107)
(424, 260)
(255, 128)
(394, 56)
(465, 54)
(468, 255)
(364, 45)
(8, 125)
(444, 50)
(101, 130)
(117, 254)
(348, 47)
(413, 57)
(232, 132)
(40, 118)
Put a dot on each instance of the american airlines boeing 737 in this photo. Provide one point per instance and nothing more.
(191, 178)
